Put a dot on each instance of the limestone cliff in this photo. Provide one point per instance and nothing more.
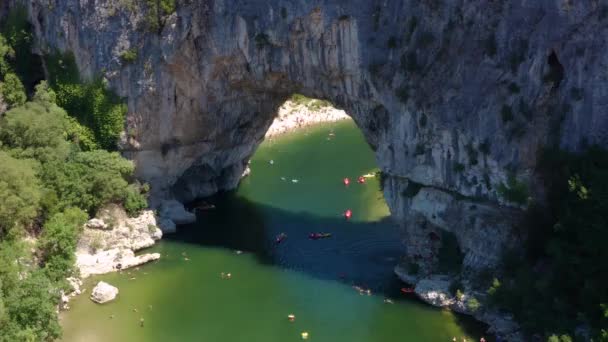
(454, 96)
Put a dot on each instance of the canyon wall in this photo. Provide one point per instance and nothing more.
(455, 97)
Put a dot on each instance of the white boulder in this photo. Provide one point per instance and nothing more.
(103, 293)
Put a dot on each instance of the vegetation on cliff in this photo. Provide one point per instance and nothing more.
(53, 176)
(560, 284)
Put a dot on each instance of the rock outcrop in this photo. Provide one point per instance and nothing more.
(111, 249)
(103, 293)
(456, 97)
(435, 290)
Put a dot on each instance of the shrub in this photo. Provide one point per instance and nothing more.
(157, 13)
(93, 106)
(57, 243)
(134, 201)
(19, 193)
(12, 90)
(129, 56)
(473, 304)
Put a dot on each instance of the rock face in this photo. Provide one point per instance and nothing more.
(454, 96)
(113, 249)
(103, 293)
(175, 211)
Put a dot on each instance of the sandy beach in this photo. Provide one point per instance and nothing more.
(293, 116)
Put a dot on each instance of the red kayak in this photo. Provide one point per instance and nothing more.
(348, 214)
(361, 180)
(346, 181)
(407, 289)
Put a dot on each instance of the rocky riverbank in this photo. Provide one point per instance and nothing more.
(303, 113)
(108, 244)
(435, 290)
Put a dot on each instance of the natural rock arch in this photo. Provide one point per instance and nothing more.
(450, 94)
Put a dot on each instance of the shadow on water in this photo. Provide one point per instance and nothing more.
(358, 253)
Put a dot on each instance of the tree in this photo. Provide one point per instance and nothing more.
(13, 90)
(19, 193)
(44, 94)
(58, 241)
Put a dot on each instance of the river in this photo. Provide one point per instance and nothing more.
(295, 188)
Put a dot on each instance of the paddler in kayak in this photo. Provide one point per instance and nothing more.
(279, 238)
(348, 214)
(361, 180)
(317, 236)
(346, 181)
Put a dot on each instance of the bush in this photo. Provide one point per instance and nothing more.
(88, 180)
(12, 90)
(157, 12)
(129, 56)
(134, 201)
(57, 243)
(35, 131)
(473, 304)
(561, 281)
(19, 193)
(93, 106)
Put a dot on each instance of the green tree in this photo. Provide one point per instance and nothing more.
(12, 90)
(19, 193)
(35, 130)
(57, 243)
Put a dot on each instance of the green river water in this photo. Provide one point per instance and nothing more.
(187, 300)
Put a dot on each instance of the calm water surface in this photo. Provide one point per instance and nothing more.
(295, 188)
